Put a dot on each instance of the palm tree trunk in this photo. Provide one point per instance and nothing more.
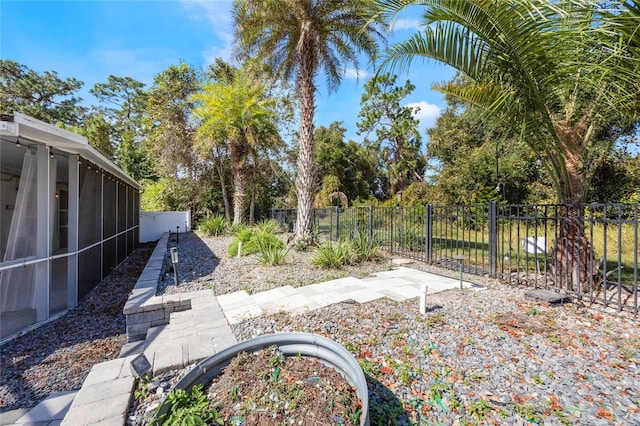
(219, 165)
(252, 205)
(305, 165)
(573, 261)
(239, 194)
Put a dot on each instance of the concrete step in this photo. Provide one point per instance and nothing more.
(49, 412)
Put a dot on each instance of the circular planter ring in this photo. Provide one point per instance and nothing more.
(307, 344)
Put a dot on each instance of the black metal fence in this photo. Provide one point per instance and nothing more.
(589, 251)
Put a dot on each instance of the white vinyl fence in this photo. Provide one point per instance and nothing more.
(154, 224)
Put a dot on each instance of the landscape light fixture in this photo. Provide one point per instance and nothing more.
(140, 366)
(177, 234)
(174, 261)
(460, 258)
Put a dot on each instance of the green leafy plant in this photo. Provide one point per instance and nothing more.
(269, 226)
(480, 409)
(189, 408)
(365, 246)
(334, 256)
(272, 256)
(213, 226)
(254, 241)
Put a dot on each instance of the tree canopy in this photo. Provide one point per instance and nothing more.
(298, 39)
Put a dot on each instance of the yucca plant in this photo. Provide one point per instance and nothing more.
(269, 253)
(365, 246)
(252, 240)
(213, 226)
(269, 226)
(334, 256)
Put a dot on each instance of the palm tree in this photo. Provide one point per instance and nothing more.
(235, 113)
(297, 39)
(561, 74)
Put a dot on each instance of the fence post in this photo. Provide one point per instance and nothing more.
(330, 224)
(428, 237)
(493, 239)
(392, 213)
(370, 222)
(337, 224)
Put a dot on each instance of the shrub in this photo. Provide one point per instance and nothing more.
(252, 241)
(269, 226)
(240, 228)
(366, 247)
(213, 226)
(334, 256)
(271, 254)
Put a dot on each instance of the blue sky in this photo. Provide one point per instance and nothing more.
(90, 40)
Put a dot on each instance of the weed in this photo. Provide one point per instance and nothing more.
(480, 409)
(369, 368)
(528, 413)
(533, 311)
(406, 351)
(405, 375)
(555, 338)
(455, 404)
(435, 319)
(627, 353)
(538, 380)
(476, 377)
(189, 408)
(142, 390)
(234, 394)
(427, 350)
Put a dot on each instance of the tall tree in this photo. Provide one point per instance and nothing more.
(170, 133)
(236, 113)
(397, 138)
(123, 103)
(560, 73)
(44, 96)
(479, 161)
(347, 161)
(98, 132)
(298, 38)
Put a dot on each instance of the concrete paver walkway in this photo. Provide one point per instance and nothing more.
(203, 330)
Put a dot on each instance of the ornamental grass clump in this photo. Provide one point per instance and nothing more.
(213, 226)
(365, 245)
(253, 241)
(334, 256)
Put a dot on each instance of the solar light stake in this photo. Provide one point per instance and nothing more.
(174, 260)
(177, 232)
(423, 299)
(460, 258)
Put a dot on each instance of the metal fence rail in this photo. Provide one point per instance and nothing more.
(589, 251)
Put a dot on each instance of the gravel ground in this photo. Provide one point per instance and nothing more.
(203, 264)
(477, 357)
(59, 355)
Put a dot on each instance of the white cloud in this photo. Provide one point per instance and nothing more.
(427, 114)
(354, 73)
(406, 24)
(218, 15)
